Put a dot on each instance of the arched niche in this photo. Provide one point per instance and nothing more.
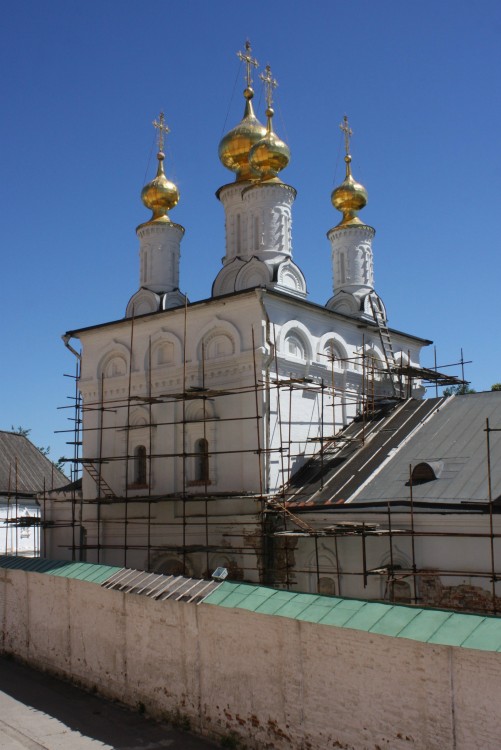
(165, 351)
(294, 342)
(332, 350)
(218, 339)
(114, 363)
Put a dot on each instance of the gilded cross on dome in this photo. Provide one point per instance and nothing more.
(162, 130)
(269, 83)
(348, 132)
(249, 62)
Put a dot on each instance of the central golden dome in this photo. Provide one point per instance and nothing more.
(235, 146)
(160, 195)
(349, 197)
(269, 155)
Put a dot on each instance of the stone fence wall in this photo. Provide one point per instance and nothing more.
(259, 681)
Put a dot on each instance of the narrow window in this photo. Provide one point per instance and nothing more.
(239, 235)
(342, 269)
(140, 465)
(202, 460)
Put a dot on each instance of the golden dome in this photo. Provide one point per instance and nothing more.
(269, 155)
(160, 195)
(349, 197)
(235, 145)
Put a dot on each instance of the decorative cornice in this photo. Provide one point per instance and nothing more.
(351, 230)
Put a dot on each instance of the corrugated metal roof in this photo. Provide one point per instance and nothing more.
(129, 581)
(65, 568)
(24, 468)
(337, 473)
(394, 620)
(456, 437)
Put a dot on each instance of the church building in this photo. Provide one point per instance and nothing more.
(197, 415)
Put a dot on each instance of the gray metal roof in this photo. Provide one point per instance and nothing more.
(23, 468)
(454, 439)
(160, 587)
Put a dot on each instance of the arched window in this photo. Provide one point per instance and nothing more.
(115, 367)
(294, 347)
(165, 353)
(326, 586)
(400, 591)
(217, 346)
(332, 354)
(140, 465)
(202, 460)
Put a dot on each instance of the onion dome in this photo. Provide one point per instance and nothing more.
(269, 155)
(160, 195)
(350, 196)
(235, 145)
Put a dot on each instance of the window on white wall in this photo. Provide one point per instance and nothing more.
(333, 354)
(140, 473)
(165, 353)
(201, 460)
(115, 367)
(294, 347)
(219, 346)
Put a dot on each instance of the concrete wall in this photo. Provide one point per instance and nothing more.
(274, 682)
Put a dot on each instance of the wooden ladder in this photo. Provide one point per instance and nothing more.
(104, 488)
(384, 335)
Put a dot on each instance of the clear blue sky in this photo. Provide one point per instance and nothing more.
(81, 83)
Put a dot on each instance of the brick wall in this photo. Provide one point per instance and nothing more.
(268, 682)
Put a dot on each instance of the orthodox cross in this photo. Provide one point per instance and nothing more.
(162, 130)
(249, 62)
(269, 84)
(348, 132)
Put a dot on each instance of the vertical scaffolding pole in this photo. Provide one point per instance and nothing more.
(17, 501)
(363, 389)
(259, 453)
(150, 462)
(184, 433)
(206, 462)
(127, 445)
(414, 576)
(100, 470)
(491, 520)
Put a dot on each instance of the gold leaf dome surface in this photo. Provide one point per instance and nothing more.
(235, 146)
(349, 197)
(269, 155)
(160, 195)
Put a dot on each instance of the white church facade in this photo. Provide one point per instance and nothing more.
(196, 413)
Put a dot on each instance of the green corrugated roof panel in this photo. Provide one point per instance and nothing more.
(394, 620)
(427, 625)
(62, 568)
(456, 630)
(341, 612)
(273, 603)
(367, 616)
(219, 595)
(68, 569)
(486, 636)
(317, 610)
(296, 605)
(422, 627)
(256, 598)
